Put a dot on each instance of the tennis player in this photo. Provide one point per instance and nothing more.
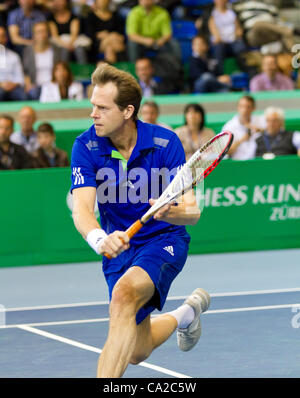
(114, 161)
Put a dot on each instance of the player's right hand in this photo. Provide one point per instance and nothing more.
(114, 244)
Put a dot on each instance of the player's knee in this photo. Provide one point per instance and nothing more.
(123, 301)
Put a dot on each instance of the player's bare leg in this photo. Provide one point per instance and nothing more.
(151, 333)
(128, 342)
(131, 292)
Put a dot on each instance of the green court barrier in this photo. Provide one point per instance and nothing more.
(160, 99)
(250, 205)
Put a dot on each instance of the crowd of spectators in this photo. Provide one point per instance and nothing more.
(28, 148)
(263, 135)
(38, 34)
(42, 37)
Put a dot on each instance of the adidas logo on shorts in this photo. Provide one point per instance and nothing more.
(170, 250)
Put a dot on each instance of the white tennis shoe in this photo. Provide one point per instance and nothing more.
(187, 338)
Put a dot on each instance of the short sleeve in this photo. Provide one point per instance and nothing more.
(165, 24)
(83, 169)
(132, 25)
(174, 155)
(12, 18)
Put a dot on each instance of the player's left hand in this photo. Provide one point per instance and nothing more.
(162, 213)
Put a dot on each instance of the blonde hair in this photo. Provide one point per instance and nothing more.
(129, 91)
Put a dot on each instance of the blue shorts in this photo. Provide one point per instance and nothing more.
(162, 258)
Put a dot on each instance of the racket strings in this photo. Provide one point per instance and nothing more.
(183, 180)
(193, 171)
(206, 156)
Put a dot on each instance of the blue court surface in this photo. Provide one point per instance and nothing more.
(54, 320)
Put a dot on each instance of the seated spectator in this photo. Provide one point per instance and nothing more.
(270, 78)
(203, 69)
(150, 114)
(11, 73)
(62, 85)
(106, 29)
(245, 128)
(149, 82)
(38, 60)
(65, 33)
(26, 136)
(20, 22)
(12, 156)
(47, 155)
(263, 26)
(276, 140)
(226, 33)
(148, 27)
(193, 134)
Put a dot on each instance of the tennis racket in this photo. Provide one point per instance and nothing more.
(198, 167)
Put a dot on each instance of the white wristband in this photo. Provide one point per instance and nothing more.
(94, 238)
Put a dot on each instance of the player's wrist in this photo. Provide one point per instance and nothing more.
(95, 237)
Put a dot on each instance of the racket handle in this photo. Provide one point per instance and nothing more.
(134, 228)
(131, 231)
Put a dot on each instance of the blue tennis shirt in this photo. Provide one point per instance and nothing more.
(125, 187)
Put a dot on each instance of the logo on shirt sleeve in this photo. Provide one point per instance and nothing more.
(78, 177)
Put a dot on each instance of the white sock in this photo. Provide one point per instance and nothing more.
(184, 315)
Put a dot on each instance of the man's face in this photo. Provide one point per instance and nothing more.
(3, 36)
(144, 70)
(149, 114)
(27, 119)
(245, 108)
(6, 130)
(269, 65)
(108, 118)
(274, 123)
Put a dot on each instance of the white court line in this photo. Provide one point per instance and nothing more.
(53, 306)
(264, 307)
(97, 350)
(220, 311)
(86, 304)
(56, 323)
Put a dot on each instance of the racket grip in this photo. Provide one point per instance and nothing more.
(134, 228)
(131, 231)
